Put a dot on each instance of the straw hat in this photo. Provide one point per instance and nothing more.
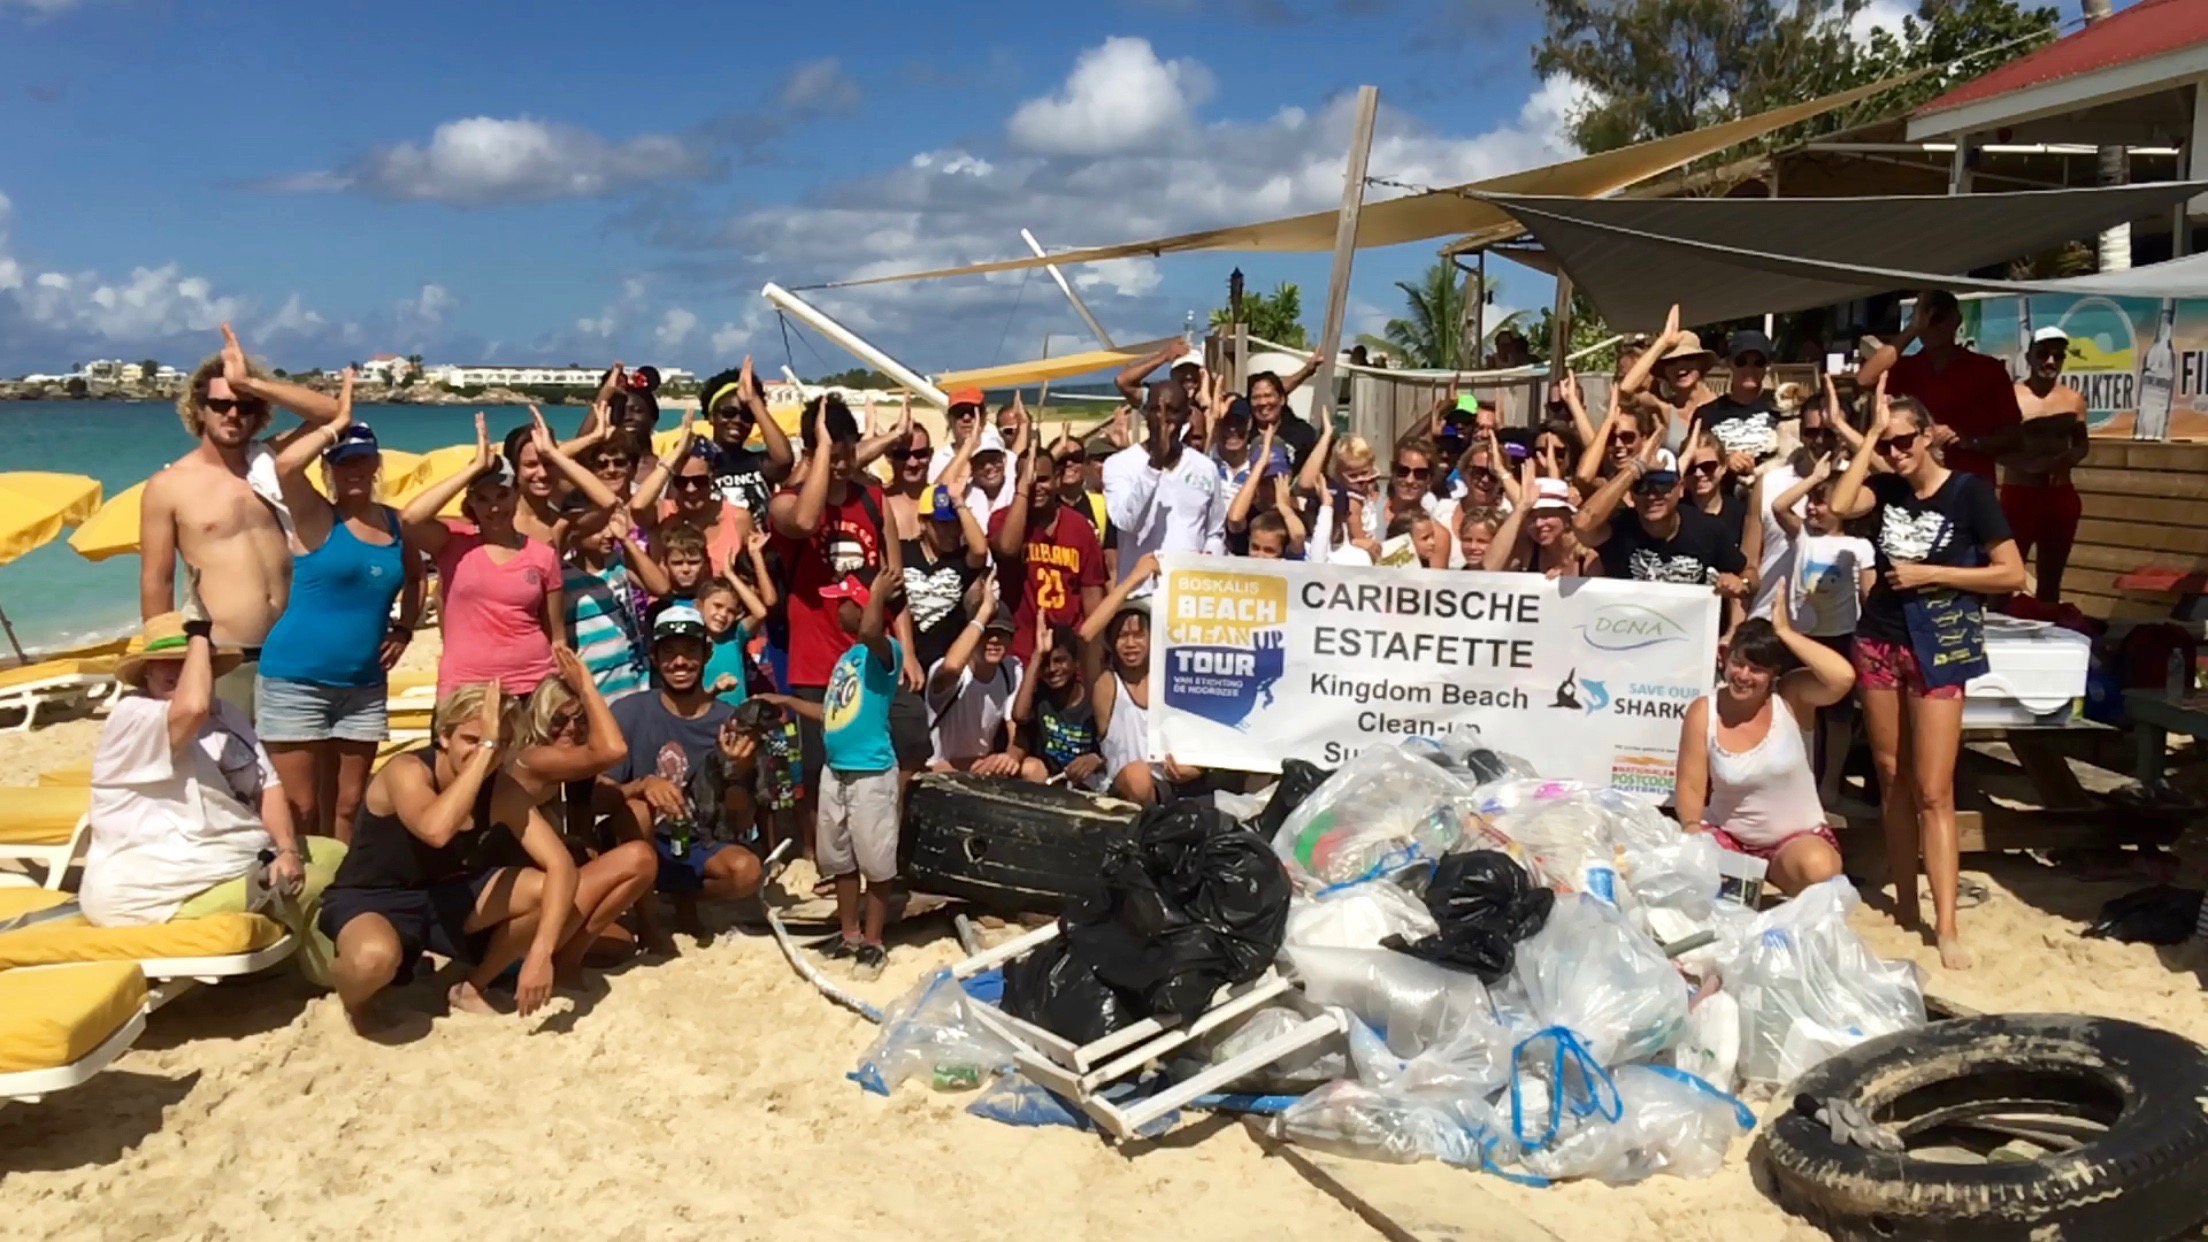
(162, 639)
(1690, 346)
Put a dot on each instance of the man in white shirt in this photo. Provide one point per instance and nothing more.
(1161, 497)
(970, 692)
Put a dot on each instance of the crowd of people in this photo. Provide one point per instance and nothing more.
(659, 665)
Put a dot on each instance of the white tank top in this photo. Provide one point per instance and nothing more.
(1767, 793)
(1778, 550)
(1127, 738)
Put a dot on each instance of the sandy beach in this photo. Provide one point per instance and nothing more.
(705, 1097)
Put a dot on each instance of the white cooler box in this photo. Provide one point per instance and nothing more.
(2037, 678)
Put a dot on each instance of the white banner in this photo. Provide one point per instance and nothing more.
(1253, 662)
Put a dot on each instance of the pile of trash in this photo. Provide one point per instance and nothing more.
(1537, 978)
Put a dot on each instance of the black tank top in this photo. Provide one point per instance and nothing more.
(385, 855)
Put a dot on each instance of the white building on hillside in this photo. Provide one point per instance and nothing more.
(385, 369)
(454, 376)
(110, 369)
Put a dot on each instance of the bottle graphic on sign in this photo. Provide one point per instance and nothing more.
(2158, 378)
(2020, 364)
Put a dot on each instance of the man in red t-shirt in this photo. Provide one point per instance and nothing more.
(826, 528)
(1062, 559)
(1969, 394)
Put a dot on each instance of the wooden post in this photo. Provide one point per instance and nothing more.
(1242, 358)
(1468, 341)
(1560, 328)
(1345, 254)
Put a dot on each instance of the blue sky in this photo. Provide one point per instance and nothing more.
(574, 182)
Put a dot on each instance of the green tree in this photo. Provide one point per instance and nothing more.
(1431, 333)
(149, 368)
(856, 377)
(1275, 316)
(1588, 329)
(1654, 68)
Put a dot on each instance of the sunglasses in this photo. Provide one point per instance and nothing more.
(614, 465)
(907, 454)
(1626, 438)
(1485, 482)
(1898, 444)
(1413, 472)
(1073, 459)
(1703, 469)
(694, 483)
(224, 405)
(1655, 484)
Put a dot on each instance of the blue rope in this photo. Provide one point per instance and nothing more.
(1570, 1052)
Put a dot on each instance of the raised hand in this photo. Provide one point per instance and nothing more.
(540, 435)
(483, 457)
(1782, 617)
(756, 541)
(1671, 324)
(1146, 566)
(1121, 434)
(235, 368)
(493, 717)
(572, 669)
(904, 414)
(1882, 412)
(820, 427)
(1567, 389)
(344, 417)
(1042, 634)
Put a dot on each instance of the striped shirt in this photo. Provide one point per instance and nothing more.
(604, 626)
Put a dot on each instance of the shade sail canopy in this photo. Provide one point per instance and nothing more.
(1444, 212)
(36, 504)
(1727, 258)
(1040, 370)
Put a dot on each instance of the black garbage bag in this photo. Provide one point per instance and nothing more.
(1297, 779)
(1191, 902)
(1049, 988)
(1485, 903)
(2157, 915)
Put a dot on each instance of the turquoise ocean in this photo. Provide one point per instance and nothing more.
(58, 599)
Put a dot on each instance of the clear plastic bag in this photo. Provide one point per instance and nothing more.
(1469, 757)
(1666, 1121)
(1591, 972)
(1471, 1059)
(931, 1028)
(1809, 986)
(1349, 1118)
(1300, 1070)
(1359, 917)
(1386, 809)
(1562, 833)
(1710, 1048)
(1681, 874)
(1412, 1004)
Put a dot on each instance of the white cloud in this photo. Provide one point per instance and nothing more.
(1127, 278)
(820, 86)
(1877, 14)
(730, 339)
(427, 308)
(40, 8)
(1119, 97)
(674, 328)
(483, 160)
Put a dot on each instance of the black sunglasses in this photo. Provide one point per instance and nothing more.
(693, 483)
(1073, 459)
(1704, 468)
(1899, 444)
(1625, 437)
(223, 405)
(1413, 472)
(907, 454)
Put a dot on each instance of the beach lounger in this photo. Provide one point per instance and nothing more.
(1082, 1072)
(78, 776)
(42, 826)
(409, 692)
(175, 956)
(60, 1025)
(410, 725)
(56, 683)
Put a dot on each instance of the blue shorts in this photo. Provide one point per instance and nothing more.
(685, 872)
(301, 711)
(433, 919)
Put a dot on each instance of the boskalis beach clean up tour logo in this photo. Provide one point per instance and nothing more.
(1226, 643)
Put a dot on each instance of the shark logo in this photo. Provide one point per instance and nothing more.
(1598, 695)
(1567, 691)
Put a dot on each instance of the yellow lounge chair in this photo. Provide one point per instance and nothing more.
(60, 1025)
(76, 777)
(45, 826)
(174, 955)
(56, 683)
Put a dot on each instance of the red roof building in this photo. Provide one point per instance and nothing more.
(2132, 79)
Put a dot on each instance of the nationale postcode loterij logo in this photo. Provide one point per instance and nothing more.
(1226, 642)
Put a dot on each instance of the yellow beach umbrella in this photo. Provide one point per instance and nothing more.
(34, 506)
(113, 530)
(398, 472)
(433, 467)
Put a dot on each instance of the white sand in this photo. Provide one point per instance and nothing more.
(705, 1097)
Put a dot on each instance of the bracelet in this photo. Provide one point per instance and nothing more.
(200, 628)
(292, 850)
(404, 631)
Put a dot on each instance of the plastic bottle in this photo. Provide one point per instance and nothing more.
(954, 1077)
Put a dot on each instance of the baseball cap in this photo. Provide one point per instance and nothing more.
(850, 588)
(1000, 621)
(680, 621)
(1662, 473)
(1190, 359)
(2050, 333)
(967, 396)
(501, 471)
(354, 442)
(988, 440)
(1467, 403)
(1552, 494)
(1748, 341)
(940, 506)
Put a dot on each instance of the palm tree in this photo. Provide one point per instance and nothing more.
(1432, 335)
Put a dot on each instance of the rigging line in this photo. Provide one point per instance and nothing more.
(1006, 335)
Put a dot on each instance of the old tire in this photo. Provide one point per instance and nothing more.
(1009, 846)
(2145, 1178)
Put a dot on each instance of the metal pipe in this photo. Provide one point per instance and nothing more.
(1103, 338)
(858, 346)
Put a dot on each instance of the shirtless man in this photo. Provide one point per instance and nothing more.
(220, 507)
(2041, 505)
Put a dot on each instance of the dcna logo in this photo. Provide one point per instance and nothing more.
(1630, 627)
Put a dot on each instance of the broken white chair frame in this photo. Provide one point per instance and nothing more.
(61, 690)
(1080, 1072)
(57, 858)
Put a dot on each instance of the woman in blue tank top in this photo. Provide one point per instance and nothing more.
(320, 701)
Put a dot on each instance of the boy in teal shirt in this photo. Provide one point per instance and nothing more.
(860, 784)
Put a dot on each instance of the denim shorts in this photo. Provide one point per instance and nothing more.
(301, 711)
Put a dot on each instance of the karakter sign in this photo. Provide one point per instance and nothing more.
(2141, 364)
(1253, 662)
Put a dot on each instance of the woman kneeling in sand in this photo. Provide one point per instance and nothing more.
(425, 873)
(185, 801)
